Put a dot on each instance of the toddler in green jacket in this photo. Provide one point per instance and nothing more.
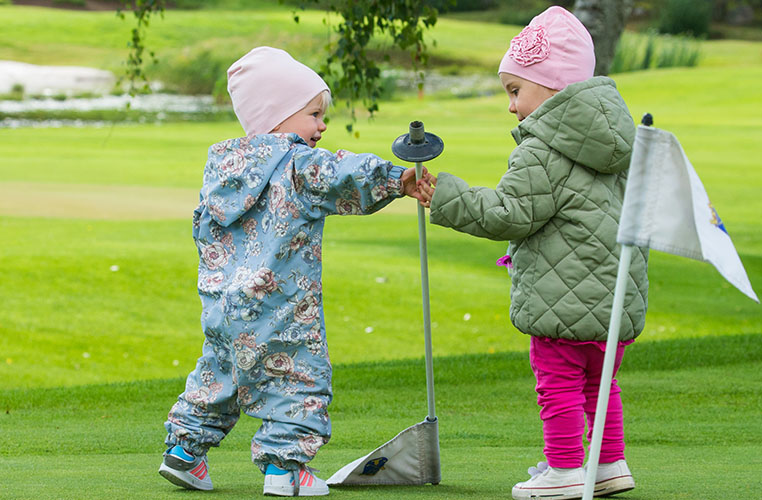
(559, 205)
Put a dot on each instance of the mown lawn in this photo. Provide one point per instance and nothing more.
(100, 312)
(87, 323)
(691, 411)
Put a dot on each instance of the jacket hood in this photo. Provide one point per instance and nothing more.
(588, 122)
(239, 170)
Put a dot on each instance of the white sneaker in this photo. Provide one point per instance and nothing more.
(612, 478)
(551, 483)
(282, 485)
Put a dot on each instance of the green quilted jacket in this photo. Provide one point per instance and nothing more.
(559, 205)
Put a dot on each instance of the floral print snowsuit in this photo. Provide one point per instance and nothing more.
(258, 229)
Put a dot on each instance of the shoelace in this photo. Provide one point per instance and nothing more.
(538, 469)
(297, 480)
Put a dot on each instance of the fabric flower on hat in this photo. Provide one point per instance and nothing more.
(571, 60)
(530, 46)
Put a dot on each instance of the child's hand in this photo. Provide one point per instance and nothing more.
(426, 186)
(423, 189)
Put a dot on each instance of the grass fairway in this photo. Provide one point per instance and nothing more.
(691, 423)
(122, 196)
(100, 316)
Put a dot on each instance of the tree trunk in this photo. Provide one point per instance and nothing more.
(605, 20)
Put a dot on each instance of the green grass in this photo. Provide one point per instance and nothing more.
(91, 359)
(141, 322)
(691, 416)
(46, 36)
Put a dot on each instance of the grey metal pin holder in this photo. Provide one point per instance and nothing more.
(412, 456)
(419, 146)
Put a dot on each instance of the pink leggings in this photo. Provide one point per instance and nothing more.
(568, 375)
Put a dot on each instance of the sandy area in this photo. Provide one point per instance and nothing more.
(86, 201)
(32, 199)
(89, 4)
(53, 80)
(83, 201)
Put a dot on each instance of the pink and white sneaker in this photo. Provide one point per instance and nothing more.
(183, 469)
(280, 482)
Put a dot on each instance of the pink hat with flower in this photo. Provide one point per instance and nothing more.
(267, 86)
(554, 50)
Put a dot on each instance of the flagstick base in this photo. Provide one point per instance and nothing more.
(607, 373)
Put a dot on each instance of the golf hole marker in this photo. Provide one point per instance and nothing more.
(412, 456)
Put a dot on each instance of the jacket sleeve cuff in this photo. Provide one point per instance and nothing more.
(394, 182)
(444, 194)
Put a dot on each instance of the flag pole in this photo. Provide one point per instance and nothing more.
(607, 373)
(412, 456)
(419, 146)
(432, 415)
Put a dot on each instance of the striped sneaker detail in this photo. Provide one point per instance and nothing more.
(305, 478)
(284, 484)
(200, 471)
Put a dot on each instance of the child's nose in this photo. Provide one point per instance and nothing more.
(322, 126)
(512, 107)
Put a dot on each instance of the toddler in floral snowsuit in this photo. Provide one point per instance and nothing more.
(258, 229)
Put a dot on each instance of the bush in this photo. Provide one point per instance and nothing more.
(462, 5)
(686, 17)
(194, 72)
(69, 3)
(517, 17)
(521, 12)
(636, 52)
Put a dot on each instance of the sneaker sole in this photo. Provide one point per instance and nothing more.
(288, 491)
(613, 486)
(181, 479)
(565, 493)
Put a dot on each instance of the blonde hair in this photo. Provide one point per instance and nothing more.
(325, 101)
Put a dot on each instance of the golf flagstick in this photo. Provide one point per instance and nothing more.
(412, 456)
(422, 250)
(420, 146)
(665, 208)
(607, 373)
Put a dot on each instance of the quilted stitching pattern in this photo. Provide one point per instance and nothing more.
(586, 123)
(559, 205)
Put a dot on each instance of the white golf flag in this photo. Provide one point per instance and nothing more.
(666, 208)
(411, 457)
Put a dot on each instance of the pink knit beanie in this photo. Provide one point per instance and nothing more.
(554, 50)
(267, 86)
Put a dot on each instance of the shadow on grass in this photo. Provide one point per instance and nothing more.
(641, 356)
(449, 370)
(693, 352)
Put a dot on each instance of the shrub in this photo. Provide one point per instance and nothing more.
(686, 17)
(636, 52)
(518, 17)
(70, 3)
(194, 72)
(462, 5)
(16, 93)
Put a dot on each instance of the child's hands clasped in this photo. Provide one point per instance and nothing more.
(422, 189)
